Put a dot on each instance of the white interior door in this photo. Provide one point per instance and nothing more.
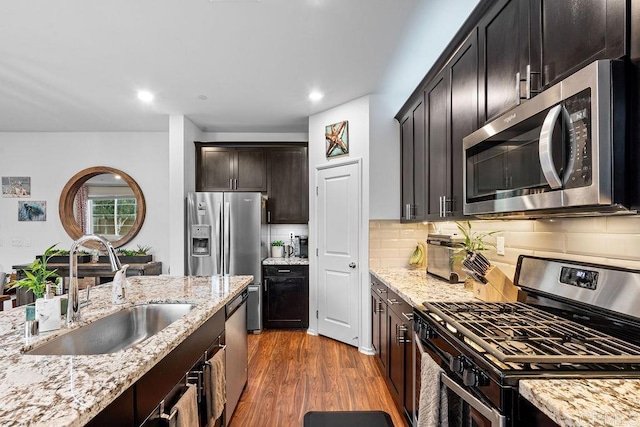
(338, 218)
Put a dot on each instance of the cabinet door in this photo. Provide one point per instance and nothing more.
(463, 72)
(407, 167)
(288, 186)
(438, 143)
(574, 34)
(504, 43)
(396, 356)
(286, 302)
(250, 169)
(414, 165)
(380, 327)
(215, 169)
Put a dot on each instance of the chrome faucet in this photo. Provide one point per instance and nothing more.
(73, 306)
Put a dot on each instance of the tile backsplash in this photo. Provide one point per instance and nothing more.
(603, 240)
(281, 231)
(392, 243)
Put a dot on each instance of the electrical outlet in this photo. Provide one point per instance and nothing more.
(291, 235)
(500, 245)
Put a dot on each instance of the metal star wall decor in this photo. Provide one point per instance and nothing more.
(337, 139)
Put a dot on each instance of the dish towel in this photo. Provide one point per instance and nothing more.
(433, 395)
(187, 407)
(215, 387)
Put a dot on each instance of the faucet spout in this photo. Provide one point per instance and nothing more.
(73, 307)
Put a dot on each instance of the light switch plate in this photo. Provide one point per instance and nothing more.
(500, 245)
(291, 235)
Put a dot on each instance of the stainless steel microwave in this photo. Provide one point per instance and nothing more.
(561, 152)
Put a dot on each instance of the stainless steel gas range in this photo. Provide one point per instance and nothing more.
(579, 321)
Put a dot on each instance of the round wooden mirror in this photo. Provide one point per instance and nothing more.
(104, 201)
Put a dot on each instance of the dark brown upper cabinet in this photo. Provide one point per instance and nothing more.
(288, 185)
(231, 169)
(569, 35)
(504, 61)
(414, 164)
(463, 118)
(438, 150)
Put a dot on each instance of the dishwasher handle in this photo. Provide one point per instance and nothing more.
(236, 303)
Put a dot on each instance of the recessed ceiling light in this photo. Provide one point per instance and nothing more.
(145, 96)
(316, 96)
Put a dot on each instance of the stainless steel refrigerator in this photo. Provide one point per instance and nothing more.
(227, 235)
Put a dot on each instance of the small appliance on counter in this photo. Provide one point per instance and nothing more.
(440, 257)
(303, 246)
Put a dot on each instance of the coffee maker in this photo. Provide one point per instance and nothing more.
(302, 246)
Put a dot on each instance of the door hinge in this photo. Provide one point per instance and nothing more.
(316, 190)
(317, 314)
(317, 252)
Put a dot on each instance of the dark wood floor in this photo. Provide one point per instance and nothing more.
(291, 373)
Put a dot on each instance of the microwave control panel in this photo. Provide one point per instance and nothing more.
(579, 110)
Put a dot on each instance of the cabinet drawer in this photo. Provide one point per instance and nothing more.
(286, 270)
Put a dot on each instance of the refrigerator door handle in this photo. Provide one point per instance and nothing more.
(219, 240)
(227, 237)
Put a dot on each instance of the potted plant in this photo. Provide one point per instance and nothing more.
(37, 276)
(61, 256)
(474, 242)
(277, 249)
(140, 255)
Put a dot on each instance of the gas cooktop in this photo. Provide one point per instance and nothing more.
(516, 332)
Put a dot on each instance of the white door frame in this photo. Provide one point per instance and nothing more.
(364, 329)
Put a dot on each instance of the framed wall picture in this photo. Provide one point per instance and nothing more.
(16, 186)
(32, 211)
(337, 139)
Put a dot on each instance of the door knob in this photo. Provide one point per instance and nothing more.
(352, 265)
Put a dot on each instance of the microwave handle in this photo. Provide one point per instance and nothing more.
(545, 149)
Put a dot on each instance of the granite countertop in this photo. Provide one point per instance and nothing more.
(286, 261)
(568, 402)
(71, 390)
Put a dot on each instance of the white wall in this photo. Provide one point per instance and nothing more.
(254, 137)
(52, 158)
(182, 172)
(357, 113)
(384, 155)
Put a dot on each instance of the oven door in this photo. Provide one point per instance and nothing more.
(464, 409)
(548, 153)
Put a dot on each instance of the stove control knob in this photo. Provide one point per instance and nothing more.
(456, 364)
(470, 377)
(474, 378)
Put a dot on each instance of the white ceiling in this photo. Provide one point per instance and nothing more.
(76, 65)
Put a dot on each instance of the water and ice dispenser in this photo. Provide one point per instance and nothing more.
(201, 240)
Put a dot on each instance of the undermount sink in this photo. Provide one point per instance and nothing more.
(115, 332)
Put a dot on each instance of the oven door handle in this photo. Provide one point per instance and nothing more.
(492, 415)
(545, 148)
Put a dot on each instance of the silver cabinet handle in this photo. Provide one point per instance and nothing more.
(407, 211)
(235, 183)
(392, 301)
(518, 95)
(284, 271)
(545, 148)
(409, 316)
(268, 216)
(381, 290)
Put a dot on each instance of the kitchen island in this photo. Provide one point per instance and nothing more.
(568, 402)
(71, 390)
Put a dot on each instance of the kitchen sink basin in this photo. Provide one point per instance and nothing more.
(115, 332)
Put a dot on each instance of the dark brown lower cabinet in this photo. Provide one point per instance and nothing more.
(141, 400)
(392, 333)
(286, 296)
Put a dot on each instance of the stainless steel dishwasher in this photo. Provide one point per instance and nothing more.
(236, 352)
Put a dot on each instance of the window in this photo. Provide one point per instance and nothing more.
(112, 216)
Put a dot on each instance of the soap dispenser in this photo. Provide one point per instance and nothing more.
(120, 283)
